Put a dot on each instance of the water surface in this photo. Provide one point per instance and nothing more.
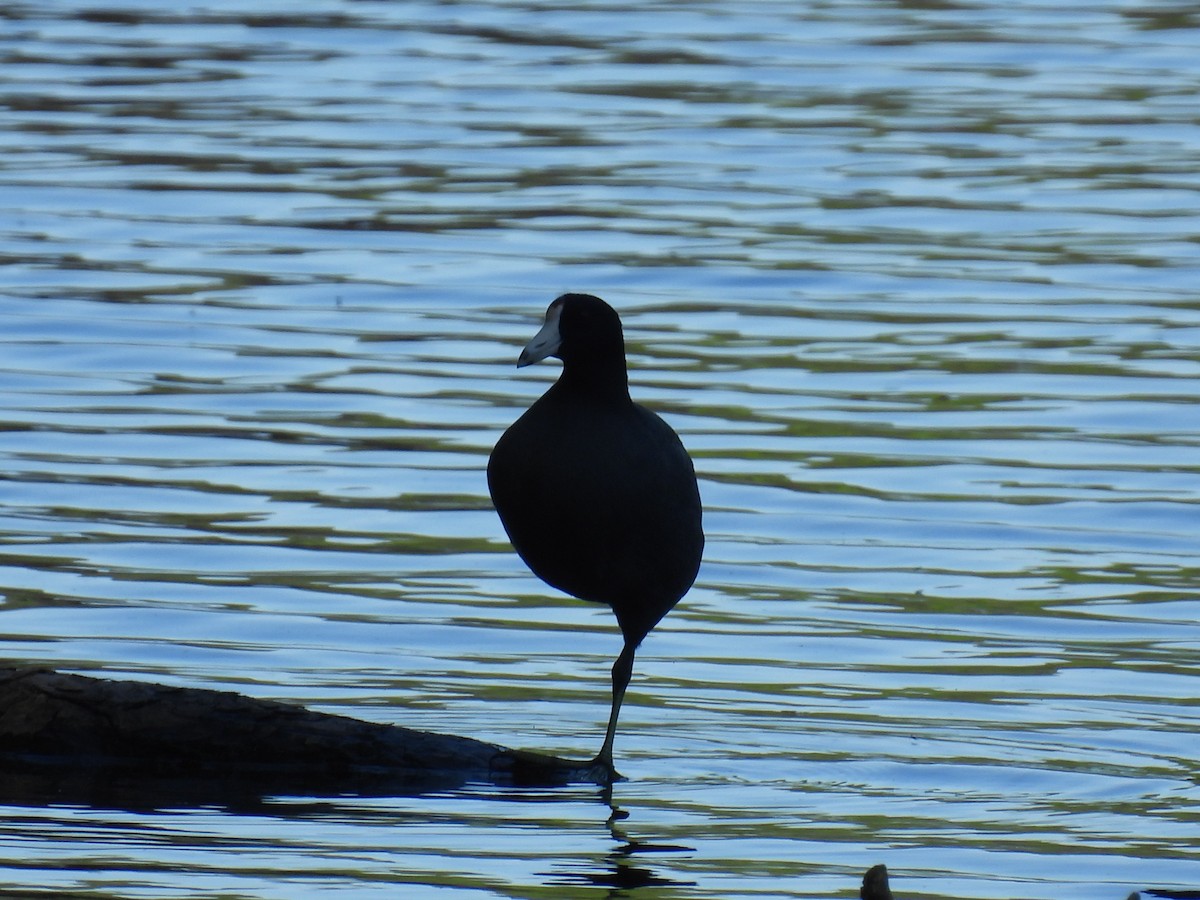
(915, 283)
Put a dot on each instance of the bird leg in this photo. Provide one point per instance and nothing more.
(622, 670)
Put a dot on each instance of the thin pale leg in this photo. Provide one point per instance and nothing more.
(622, 671)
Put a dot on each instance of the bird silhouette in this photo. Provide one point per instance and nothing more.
(597, 493)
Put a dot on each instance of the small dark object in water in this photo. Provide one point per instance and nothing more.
(597, 493)
(875, 884)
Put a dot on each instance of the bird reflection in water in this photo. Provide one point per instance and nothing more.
(626, 867)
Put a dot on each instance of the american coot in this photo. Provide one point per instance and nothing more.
(597, 493)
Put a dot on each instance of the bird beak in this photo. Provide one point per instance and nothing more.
(546, 342)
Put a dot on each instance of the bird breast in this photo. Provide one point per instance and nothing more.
(600, 503)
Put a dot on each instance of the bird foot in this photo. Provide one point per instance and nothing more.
(602, 771)
(528, 767)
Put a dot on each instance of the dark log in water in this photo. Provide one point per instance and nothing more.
(80, 729)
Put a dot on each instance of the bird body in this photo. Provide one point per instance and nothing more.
(578, 533)
(597, 493)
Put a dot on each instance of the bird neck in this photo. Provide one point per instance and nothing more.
(597, 378)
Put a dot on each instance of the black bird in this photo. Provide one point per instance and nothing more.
(597, 493)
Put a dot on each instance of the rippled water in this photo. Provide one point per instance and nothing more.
(915, 282)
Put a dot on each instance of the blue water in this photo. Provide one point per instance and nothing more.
(916, 285)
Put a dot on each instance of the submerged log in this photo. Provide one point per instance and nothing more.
(79, 727)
